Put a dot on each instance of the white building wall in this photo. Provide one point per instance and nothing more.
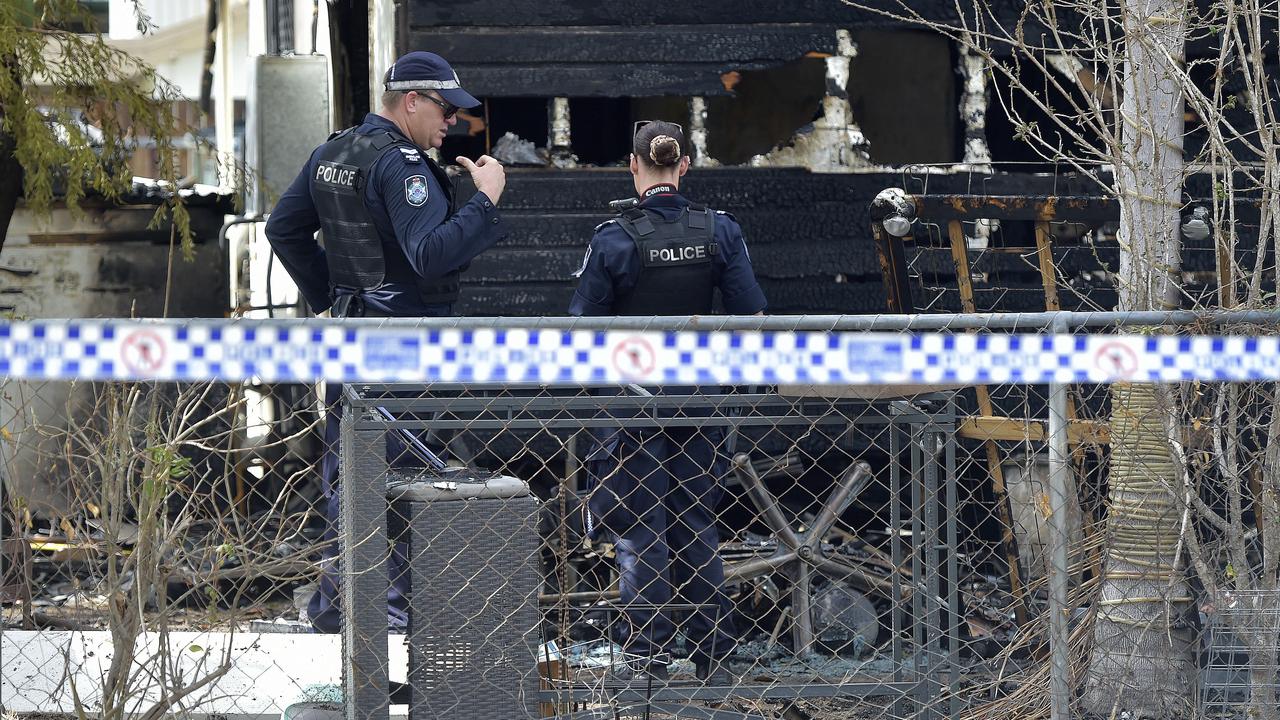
(176, 47)
(163, 13)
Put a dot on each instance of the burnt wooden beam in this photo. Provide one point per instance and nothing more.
(891, 258)
(738, 188)
(614, 80)
(1011, 15)
(728, 188)
(465, 46)
(819, 259)
(798, 229)
(790, 296)
(990, 427)
(941, 208)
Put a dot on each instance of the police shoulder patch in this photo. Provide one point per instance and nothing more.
(415, 190)
(410, 155)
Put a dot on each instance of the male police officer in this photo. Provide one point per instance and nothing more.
(394, 239)
(658, 490)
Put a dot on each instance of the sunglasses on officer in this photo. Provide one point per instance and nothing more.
(449, 108)
(635, 130)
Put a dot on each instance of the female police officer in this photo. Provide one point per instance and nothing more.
(658, 490)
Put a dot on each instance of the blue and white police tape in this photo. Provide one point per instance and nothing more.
(290, 351)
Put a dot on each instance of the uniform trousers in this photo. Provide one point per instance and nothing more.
(324, 608)
(656, 494)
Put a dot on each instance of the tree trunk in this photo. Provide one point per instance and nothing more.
(1143, 658)
(1149, 163)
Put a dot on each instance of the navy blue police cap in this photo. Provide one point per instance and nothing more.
(421, 70)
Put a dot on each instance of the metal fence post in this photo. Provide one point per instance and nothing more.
(955, 618)
(932, 545)
(363, 552)
(897, 616)
(1059, 467)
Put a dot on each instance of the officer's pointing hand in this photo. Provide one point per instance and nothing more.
(487, 174)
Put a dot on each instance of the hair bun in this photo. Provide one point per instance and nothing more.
(664, 150)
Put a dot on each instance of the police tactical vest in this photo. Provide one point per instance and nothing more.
(676, 262)
(355, 253)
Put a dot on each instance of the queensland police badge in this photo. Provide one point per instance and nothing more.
(415, 190)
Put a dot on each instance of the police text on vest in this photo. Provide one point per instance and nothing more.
(335, 174)
(677, 254)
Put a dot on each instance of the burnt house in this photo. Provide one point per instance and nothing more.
(800, 114)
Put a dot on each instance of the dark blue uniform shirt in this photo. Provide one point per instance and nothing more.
(431, 244)
(613, 263)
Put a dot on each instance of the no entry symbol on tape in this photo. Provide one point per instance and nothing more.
(143, 352)
(1116, 359)
(634, 358)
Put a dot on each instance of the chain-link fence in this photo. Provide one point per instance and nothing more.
(557, 548)
(739, 538)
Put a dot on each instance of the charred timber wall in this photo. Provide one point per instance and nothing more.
(628, 48)
(808, 234)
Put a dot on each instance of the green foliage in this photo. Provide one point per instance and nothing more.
(169, 463)
(50, 78)
(1024, 131)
